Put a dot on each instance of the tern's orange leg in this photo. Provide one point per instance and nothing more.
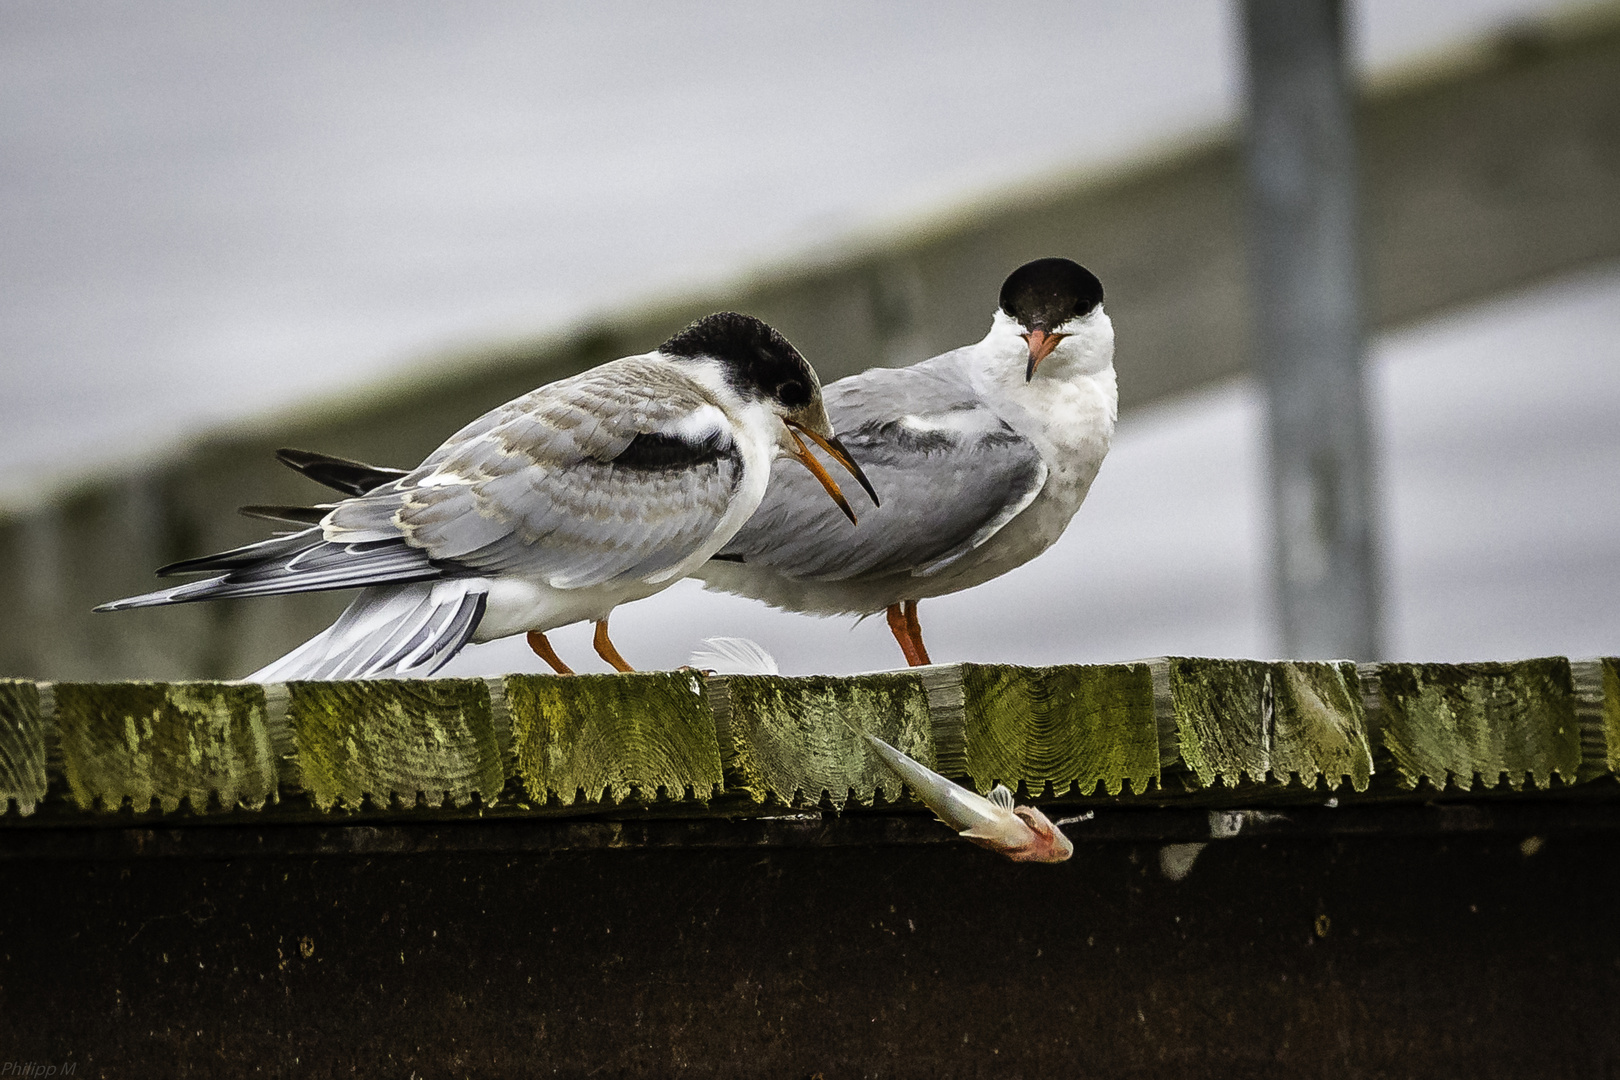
(915, 629)
(605, 649)
(901, 629)
(542, 648)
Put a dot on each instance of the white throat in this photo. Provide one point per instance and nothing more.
(1086, 348)
(1084, 357)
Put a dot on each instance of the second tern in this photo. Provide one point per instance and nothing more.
(982, 456)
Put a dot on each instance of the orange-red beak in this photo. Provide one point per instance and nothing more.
(1041, 344)
(840, 455)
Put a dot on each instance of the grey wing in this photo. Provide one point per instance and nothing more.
(949, 471)
(624, 471)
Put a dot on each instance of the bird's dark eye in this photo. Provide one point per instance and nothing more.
(792, 392)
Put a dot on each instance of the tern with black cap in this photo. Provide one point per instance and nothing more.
(982, 456)
(552, 509)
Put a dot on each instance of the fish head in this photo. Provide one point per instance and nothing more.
(1047, 842)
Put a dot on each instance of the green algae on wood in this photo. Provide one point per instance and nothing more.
(1319, 724)
(611, 734)
(1611, 711)
(1215, 714)
(1454, 722)
(22, 746)
(1076, 728)
(947, 712)
(1597, 711)
(166, 741)
(433, 739)
(801, 737)
(1236, 718)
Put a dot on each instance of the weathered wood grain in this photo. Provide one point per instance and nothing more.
(429, 740)
(947, 712)
(1267, 721)
(168, 742)
(1494, 722)
(1071, 729)
(22, 746)
(1320, 726)
(798, 740)
(1597, 711)
(1248, 728)
(1215, 714)
(1611, 712)
(595, 737)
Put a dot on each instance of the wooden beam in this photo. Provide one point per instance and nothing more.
(1174, 731)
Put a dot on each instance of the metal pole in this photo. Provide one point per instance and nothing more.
(1308, 323)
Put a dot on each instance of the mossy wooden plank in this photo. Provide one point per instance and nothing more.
(22, 746)
(1249, 718)
(947, 714)
(1222, 732)
(1456, 722)
(1072, 727)
(166, 741)
(1319, 725)
(1611, 711)
(610, 734)
(432, 739)
(1597, 711)
(800, 738)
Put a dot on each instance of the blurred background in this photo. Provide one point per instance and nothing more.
(352, 228)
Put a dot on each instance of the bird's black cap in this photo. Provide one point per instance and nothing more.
(755, 357)
(1047, 293)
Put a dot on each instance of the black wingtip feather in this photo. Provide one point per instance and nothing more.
(352, 478)
(298, 515)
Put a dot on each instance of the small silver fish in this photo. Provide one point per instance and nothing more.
(1022, 833)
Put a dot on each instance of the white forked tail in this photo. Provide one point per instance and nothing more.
(389, 631)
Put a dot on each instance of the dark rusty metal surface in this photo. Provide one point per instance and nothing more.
(1484, 951)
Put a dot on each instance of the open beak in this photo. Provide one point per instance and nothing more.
(1041, 344)
(836, 449)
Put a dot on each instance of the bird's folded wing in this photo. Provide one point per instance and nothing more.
(950, 472)
(624, 471)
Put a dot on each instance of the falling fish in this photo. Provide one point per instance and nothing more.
(1022, 833)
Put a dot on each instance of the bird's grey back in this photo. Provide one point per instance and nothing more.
(943, 463)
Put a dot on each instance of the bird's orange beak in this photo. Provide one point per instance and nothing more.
(836, 449)
(1041, 344)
